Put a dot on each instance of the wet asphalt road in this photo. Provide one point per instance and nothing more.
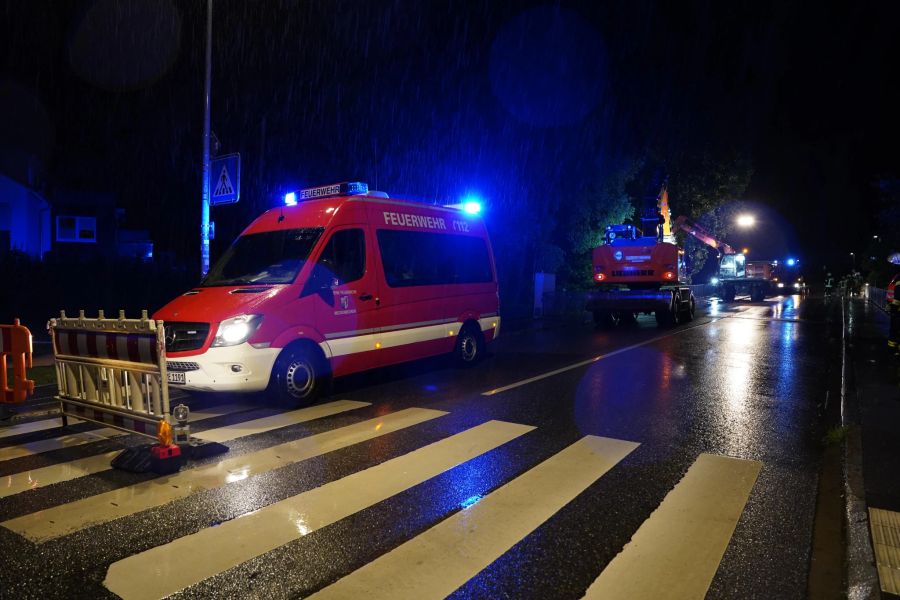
(744, 380)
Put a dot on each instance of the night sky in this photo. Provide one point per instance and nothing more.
(521, 103)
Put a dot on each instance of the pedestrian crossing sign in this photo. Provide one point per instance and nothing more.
(225, 179)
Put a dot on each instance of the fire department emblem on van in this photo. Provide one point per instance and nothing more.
(345, 302)
(618, 255)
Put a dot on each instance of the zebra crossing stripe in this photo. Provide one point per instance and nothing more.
(435, 563)
(188, 560)
(675, 553)
(239, 430)
(74, 516)
(64, 441)
(27, 480)
(10, 485)
(95, 435)
(34, 426)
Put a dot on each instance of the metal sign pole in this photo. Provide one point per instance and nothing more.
(204, 210)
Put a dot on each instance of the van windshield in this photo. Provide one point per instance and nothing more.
(264, 258)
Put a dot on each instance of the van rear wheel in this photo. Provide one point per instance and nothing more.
(299, 377)
(469, 347)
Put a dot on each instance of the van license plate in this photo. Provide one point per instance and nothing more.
(176, 377)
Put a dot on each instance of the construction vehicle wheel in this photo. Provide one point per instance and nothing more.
(666, 317)
(757, 294)
(688, 313)
(604, 319)
(728, 293)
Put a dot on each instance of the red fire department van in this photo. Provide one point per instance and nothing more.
(341, 282)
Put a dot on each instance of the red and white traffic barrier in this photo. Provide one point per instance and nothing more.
(112, 371)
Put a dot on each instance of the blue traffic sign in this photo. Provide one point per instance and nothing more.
(225, 179)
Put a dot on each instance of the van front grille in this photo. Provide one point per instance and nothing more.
(182, 366)
(182, 336)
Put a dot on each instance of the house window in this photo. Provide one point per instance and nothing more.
(76, 229)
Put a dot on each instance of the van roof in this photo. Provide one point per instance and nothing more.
(321, 212)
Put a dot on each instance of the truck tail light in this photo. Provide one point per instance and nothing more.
(600, 276)
(669, 275)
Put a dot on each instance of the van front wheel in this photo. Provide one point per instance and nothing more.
(299, 377)
(469, 346)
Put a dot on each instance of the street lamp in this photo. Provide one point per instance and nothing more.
(745, 220)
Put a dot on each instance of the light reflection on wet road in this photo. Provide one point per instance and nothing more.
(742, 380)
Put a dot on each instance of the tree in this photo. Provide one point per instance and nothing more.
(596, 205)
(708, 189)
(887, 241)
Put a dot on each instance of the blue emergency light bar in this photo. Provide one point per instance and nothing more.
(347, 188)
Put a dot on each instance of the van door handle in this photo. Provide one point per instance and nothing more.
(366, 297)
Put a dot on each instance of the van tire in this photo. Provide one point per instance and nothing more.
(299, 377)
(469, 348)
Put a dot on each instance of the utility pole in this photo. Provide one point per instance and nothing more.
(204, 210)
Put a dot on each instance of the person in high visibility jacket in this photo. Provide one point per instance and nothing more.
(893, 307)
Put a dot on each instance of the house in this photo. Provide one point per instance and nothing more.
(24, 219)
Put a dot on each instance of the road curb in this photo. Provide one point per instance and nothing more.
(862, 576)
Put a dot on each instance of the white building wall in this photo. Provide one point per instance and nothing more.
(26, 215)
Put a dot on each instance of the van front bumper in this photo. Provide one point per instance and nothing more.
(240, 368)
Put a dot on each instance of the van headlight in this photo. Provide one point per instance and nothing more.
(236, 330)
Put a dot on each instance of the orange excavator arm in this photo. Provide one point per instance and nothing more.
(689, 227)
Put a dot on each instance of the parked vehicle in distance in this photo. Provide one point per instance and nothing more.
(341, 282)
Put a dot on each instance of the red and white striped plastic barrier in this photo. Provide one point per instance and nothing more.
(113, 420)
(130, 347)
(112, 371)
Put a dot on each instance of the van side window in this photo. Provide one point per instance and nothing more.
(413, 258)
(344, 257)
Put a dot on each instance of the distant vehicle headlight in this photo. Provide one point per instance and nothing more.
(236, 330)
(797, 285)
(781, 285)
